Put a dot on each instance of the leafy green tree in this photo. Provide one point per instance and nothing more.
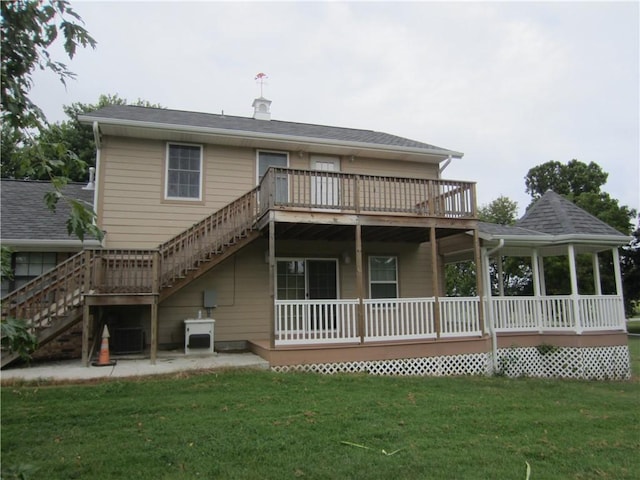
(502, 211)
(29, 29)
(631, 273)
(54, 140)
(460, 278)
(569, 180)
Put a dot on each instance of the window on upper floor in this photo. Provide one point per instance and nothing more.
(184, 172)
(383, 277)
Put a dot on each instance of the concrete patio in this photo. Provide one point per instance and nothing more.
(167, 362)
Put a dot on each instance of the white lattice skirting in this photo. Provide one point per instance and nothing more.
(560, 362)
(471, 364)
(591, 363)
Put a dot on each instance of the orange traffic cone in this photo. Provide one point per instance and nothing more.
(103, 359)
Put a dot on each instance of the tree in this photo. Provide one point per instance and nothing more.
(582, 184)
(54, 140)
(28, 29)
(630, 263)
(502, 211)
(569, 180)
(460, 278)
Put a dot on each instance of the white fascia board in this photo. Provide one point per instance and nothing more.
(246, 135)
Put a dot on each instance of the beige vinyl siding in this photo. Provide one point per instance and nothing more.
(390, 168)
(134, 212)
(242, 292)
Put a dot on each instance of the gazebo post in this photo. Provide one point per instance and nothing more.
(535, 267)
(597, 284)
(574, 287)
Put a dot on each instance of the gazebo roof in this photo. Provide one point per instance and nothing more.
(549, 225)
(553, 214)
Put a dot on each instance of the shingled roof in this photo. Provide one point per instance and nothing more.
(25, 215)
(275, 128)
(555, 215)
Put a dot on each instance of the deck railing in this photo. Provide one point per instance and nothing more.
(310, 189)
(122, 271)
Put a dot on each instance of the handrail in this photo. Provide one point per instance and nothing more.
(49, 294)
(313, 189)
(211, 235)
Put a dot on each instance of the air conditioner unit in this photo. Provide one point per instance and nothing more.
(127, 340)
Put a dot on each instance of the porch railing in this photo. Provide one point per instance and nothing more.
(310, 189)
(399, 319)
(459, 316)
(335, 321)
(316, 321)
(549, 313)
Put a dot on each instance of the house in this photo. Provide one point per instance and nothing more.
(317, 247)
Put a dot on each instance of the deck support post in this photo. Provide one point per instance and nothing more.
(359, 282)
(479, 277)
(435, 280)
(272, 286)
(86, 320)
(154, 330)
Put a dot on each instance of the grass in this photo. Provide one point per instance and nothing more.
(262, 425)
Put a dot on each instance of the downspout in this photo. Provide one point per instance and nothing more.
(492, 330)
(98, 142)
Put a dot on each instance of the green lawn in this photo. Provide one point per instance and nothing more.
(262, 425)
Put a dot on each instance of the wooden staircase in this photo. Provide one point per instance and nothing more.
(52, 302)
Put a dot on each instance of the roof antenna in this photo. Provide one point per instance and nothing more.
(261, 77)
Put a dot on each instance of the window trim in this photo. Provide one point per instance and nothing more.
(166, 173)
(371, 281)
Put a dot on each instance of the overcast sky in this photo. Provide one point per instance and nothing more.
(512, 85)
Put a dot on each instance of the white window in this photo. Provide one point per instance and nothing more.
(383, 277)
(184, 172)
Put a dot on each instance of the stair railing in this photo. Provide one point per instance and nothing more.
(48, 296)
(212, 235)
